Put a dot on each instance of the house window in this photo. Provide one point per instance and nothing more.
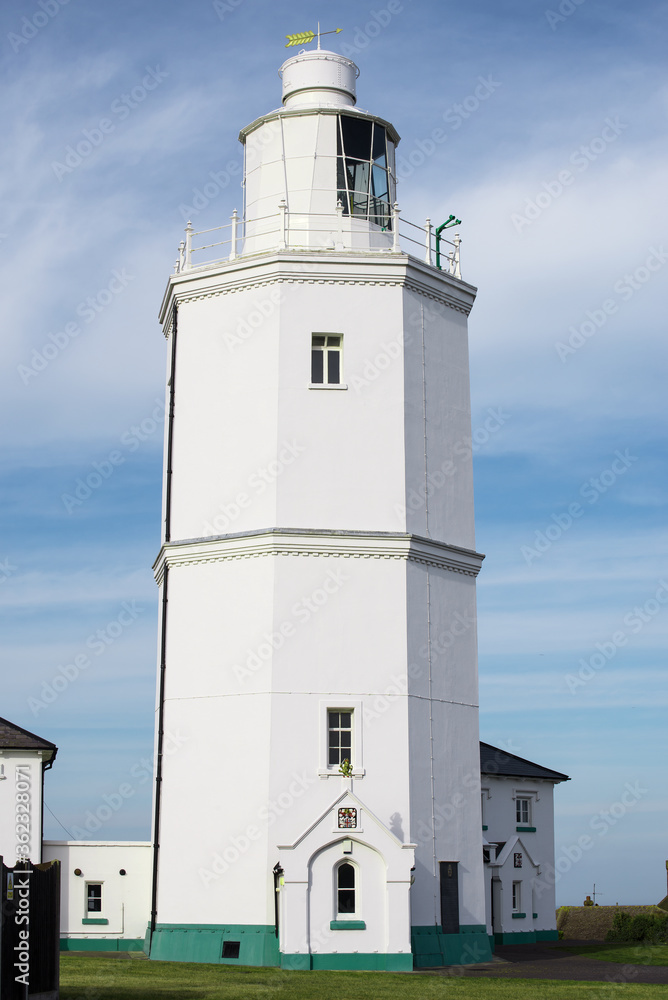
(340, 737)
(345, 890)
(517, 897)
(93, 897)
(326, 358)
(523, 812)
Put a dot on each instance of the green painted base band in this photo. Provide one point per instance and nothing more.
(525, 937)
(432, 948)
(348, 962)
(547, 935)
(101, 944)
(258, 944)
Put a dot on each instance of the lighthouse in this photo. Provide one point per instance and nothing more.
(317, 798)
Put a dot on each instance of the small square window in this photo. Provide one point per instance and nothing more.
(94, 897)
(326, 359)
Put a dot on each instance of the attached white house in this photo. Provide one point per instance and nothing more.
(105, 893)
(24, 758)
(518, 827)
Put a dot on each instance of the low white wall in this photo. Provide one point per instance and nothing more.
(126, 899)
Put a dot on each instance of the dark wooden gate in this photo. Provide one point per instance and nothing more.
(449, 897)
(30, 936)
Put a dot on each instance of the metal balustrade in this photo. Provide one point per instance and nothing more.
(305, 231)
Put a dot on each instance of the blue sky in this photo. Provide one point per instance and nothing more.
(551, 148)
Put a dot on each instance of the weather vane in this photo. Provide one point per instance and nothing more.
(306, 37)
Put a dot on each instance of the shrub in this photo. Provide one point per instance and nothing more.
(648, 927)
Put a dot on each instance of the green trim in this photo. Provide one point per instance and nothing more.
(94, 920)
(355, 961)
(518, 916)
(525, 937)
(432, 948)
(258, 944)
(101, 944)
(525, 829)
(547, 935)
(535, 916)
(347, 925)
(485, 828)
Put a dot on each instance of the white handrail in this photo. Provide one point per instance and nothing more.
(340, 227)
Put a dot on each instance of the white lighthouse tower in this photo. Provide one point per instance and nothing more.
(318, 787)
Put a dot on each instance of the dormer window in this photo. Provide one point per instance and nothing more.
(362, 171)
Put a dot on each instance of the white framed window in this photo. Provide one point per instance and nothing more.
(93, 897)
(517, 897)
(327, 361)
(523, 810)
(340, 738)
(347, 891)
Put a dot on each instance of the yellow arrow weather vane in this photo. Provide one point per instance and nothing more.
(306, 37)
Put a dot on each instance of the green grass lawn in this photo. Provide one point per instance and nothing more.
(93, 978)
(628, 953)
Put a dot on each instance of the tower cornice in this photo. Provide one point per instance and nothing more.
(316, 267)
(319, 544)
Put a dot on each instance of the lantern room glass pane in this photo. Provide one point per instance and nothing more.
(356, 137)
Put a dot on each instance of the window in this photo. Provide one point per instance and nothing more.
(326, 359)
(362, 170)
(523, 812)
(94, 897)
(345, 889)
(517, 897)
(340, 737)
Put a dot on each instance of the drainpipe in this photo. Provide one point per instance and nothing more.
(448, 224)
(163, 642)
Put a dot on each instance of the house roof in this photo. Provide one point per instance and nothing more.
(494, 761)
(15, 738)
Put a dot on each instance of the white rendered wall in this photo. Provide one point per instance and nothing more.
(126, 899)
(21, 805)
